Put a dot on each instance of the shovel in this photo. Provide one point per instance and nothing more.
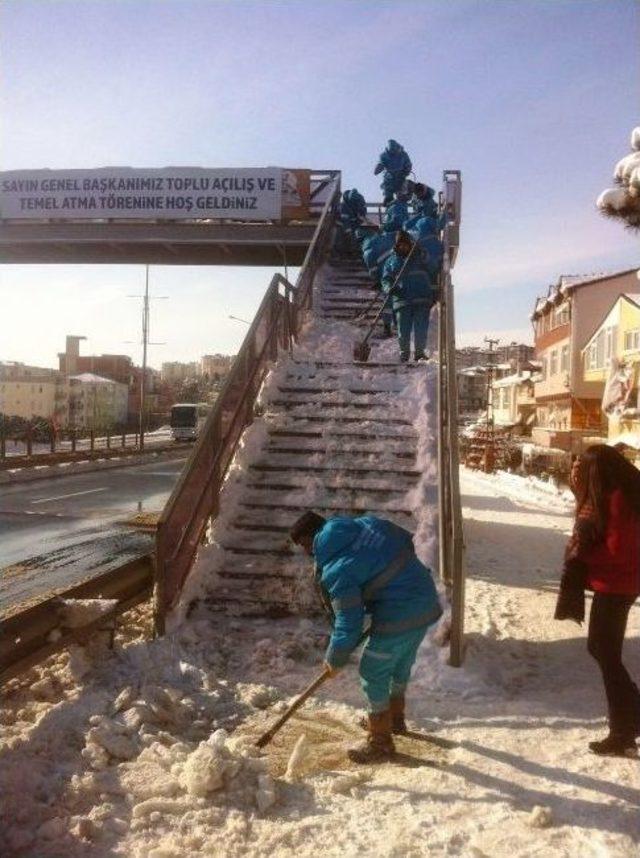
(362, 350)
(300, 699)
(297, 703)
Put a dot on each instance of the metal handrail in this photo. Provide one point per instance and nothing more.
(451, 537)
(195, 498)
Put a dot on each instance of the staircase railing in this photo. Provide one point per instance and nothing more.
(451, 537)
(196, 496)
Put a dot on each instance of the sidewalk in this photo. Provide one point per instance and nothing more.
(504, 772)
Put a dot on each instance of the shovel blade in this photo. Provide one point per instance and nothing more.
(361, 352)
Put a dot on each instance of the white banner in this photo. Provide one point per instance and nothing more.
(123, 192)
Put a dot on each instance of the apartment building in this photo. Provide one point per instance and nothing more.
(568, 405)
(611, 357)
(215, 365)
(96, 403)
(174, 372)
(514, 402)
(32, 395)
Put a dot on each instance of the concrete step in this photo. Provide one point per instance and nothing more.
(381, 405)
(319, 432)
(378, 419)
(365, 486)
(274, 466)
(284, 514)
(387, 366)
(387, 453)
(363, 391)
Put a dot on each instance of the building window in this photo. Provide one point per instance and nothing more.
(564, 359)
(543, 369)
(609, 344)
(553, 362)
(632, 340)
(560, 315)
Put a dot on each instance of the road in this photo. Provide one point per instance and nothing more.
(56, 533)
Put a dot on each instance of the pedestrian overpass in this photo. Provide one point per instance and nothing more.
(361, 424)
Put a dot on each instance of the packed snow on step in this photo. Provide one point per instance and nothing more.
(407, 396)
(129, 759)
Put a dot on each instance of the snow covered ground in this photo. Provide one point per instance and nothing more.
(112, 753)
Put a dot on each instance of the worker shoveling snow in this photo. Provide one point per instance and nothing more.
(499, 766)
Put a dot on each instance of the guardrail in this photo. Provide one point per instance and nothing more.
(451, 537)
(26, 637)
(195, 498)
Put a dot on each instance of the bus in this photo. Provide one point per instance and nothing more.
(188, 419)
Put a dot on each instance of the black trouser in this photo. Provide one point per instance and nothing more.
(607, 625)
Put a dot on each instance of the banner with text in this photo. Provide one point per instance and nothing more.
(123, 192)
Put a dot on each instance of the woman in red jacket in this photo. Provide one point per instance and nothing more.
(603, 555)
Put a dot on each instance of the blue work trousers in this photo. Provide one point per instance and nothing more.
(385, 666)
(413, 318)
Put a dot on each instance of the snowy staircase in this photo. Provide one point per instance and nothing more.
(335, 437)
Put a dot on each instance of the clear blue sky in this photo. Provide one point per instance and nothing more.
(533, 101)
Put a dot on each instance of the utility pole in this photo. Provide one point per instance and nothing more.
(145, 344)
(145, 339)
(490, 368)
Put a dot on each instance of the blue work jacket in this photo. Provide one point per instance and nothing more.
(368, 565)
(414, 286)
(376, 249)
(395, 217)
(394, 159)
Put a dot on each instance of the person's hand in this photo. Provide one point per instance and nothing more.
(331, 671)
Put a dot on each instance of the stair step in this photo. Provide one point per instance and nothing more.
(240, 608)
(266, 554)
(293, 403)
(314, 451)
(335, 510)
(266, 467)
(367, 391)
(332, 433)
(361, 488)
(318, 418)
(386, 365)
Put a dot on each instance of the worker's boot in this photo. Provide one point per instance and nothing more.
(398, 724)
(378, 746)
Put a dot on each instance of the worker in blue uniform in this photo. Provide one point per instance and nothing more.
(376, 247)
(368, 566)
(395, 216)
(396, 164)
(353, 208)
(424, 200)
(413, 283)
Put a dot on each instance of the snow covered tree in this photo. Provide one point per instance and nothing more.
(623, 201)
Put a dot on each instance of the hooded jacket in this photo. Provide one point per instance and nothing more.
(395, 216)
(353, 208)
(414, 286)
(367, 565)
(376, 249)
(395, 160)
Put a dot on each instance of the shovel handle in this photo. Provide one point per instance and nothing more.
(297, 703)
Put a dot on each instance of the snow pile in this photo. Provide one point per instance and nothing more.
(623, 201)
(74, 613)
(528, 490)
